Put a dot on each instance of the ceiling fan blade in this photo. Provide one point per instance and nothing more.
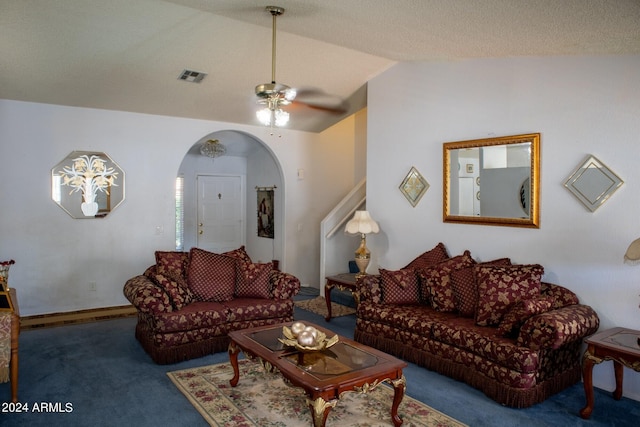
(320, 100)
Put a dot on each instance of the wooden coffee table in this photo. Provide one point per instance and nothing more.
(347, 366)
(620, 345)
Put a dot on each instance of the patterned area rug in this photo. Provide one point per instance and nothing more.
(263, 399)
(318, 305)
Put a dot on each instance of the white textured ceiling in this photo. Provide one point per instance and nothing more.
(127, 54)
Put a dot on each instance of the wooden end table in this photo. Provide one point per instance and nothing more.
(620, 345)
(347, 366)
(344, 282)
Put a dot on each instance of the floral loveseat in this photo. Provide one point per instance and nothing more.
(494, 325)
(188, 301)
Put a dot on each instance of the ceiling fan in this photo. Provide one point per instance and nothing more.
(276, 95)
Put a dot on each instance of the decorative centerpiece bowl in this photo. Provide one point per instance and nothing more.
(320, 341)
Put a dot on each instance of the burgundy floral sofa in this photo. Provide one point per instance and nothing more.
(188, 302)
(496, 326)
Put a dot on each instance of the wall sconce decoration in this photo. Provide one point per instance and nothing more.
(95, 182)
(414, 186)
(593, 183)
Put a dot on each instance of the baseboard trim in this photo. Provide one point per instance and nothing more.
(73, 317)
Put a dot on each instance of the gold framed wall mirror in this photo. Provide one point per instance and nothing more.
(493, 181)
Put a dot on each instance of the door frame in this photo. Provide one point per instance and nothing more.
(230, 137)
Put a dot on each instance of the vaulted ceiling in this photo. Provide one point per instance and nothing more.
(127, 54)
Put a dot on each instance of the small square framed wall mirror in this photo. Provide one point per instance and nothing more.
(593, 183)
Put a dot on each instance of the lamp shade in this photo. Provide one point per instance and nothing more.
(632, 256)
(361, 223)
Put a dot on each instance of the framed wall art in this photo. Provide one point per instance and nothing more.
(265, 212)
(414, 186)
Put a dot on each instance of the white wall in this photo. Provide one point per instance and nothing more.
(580, 105)
(57, 256)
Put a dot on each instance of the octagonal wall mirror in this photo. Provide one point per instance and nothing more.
(87, 184)
(493, 181)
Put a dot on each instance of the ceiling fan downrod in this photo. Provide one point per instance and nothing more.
(275, 12)
(283, 93)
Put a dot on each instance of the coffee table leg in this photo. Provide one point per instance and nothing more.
(327, 296)
(233, 358)
(320, 409)
(399, 386)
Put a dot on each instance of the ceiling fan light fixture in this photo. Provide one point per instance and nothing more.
(281, 117)
(290, 94)
(273, 117)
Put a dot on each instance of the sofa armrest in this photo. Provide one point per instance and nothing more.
(284, 285)
(368, 288)
(146, 296)
(556, 328)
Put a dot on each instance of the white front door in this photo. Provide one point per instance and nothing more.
(220, 213)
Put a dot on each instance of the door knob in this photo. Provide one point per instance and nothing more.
(200, 224)
(200, 232)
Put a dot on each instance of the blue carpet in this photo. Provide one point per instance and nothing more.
(101, 370)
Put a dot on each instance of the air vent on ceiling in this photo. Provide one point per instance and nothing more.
(192, 76)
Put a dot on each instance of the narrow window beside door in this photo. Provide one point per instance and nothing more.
(179, 213)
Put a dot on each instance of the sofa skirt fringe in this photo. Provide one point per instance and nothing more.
(175, 354)
(501, 393)
(193, 350)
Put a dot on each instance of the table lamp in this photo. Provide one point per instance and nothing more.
(362, 224)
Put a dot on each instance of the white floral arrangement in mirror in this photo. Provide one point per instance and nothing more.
(89, 175)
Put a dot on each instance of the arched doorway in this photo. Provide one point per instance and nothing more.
(257, 167)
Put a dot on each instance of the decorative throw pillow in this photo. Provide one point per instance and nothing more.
(562, 296)
(254, 281)
(240, 254)
(370, 288)
(400, 286)
(499, 287)
(167, 261)
(436, 281)
(179, 294)
(465, 290)
(211, 277)
(521, 311)
(431, 257)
